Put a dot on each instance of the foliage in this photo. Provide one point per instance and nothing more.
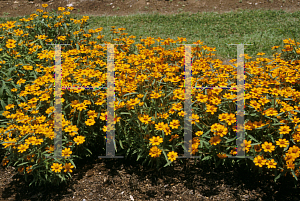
(148, 100)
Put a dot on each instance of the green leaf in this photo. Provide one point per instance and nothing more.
(205, 134)
(265, 126)
(60, 176)
(276, 178)
(73, 163)
(10, 70)
(201, 143)
(139, 155)
(166, 157)
(125, 113)
(127, 152)
(293, 172)
(121, 144)
(88, 150)
(21, 163)
(230, 140)
(206, 158)
(134, 152)
(278, 124)
(3, 104)
(23, 99)
(2, 88)
(286, 148)
(251, 137)
(130, 94)
(25, 137)
(9, 101)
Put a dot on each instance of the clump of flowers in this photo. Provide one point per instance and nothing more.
(149, 99)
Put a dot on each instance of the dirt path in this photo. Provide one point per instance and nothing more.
(129, 7)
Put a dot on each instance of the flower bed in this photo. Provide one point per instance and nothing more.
(149, 99)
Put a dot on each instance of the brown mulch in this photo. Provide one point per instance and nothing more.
(120, 179)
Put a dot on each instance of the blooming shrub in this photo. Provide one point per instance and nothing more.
(148, 101)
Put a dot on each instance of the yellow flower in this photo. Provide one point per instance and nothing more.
(284, 130)
(68, 167)
(233, 152)
(21, 169)
(172, 156)
(38, 141)
(10, 24)
(56, 167)
(154, 152)
(10, 45)
(259, 161)
(50, 149)
(28, 170)
(90, 122)
(44, 97)
(5, 161)
(282, 142)
(42, 37)
(290, 165)
(66, 152)
(268, 147)
(174, 124)
(30, 140)
(11, 41)
(173, 137)
(221, 156)
(198, 133)
(247, 143)
(63, 38)
(11, 141)
(155, 95)
(28, 67)
(92, 114)
(9, 106)
(44, 5)
(79, 139)
(49, 40)
(160, 126)
(145, 119)
(257, 148)
(167, 129)
(14, 90)
(156, 140)
(61, 8)
(215, 140)
(271, 163)
(23, 147)
(104, 128)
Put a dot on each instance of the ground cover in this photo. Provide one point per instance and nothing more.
(144, 194)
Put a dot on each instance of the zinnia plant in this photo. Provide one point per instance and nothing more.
(149, 98)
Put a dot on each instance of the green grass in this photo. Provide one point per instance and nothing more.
(257, 27)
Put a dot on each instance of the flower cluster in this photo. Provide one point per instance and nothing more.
(149, 112)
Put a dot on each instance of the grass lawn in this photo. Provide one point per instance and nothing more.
(263, 29)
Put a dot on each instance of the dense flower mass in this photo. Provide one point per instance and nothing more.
(149, 95)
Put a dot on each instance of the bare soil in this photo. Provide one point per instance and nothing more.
(126, 179)
(129, 7)
(120, 179)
